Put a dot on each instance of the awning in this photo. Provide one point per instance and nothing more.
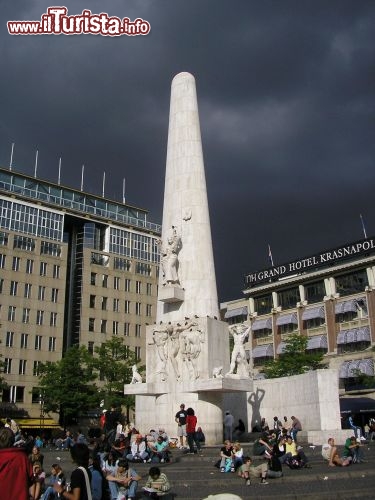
(363, 334)
(263, 351)
(348, 368)
(287, 319)
(240, 311)
(353, 335)
(357, 405)
(347, 306)
(37, 423)
(280, 348)
(317, 342)
(313, 312)
(262, 324)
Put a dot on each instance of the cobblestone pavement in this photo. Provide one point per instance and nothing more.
(195, 477)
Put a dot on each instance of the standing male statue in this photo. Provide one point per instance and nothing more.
(238, 358)
(169, 259)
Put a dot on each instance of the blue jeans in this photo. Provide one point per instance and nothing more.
(191, 439)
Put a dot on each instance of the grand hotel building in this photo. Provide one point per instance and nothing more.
(75, 268)
(328, 297)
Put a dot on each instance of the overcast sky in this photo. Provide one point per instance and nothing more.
(286, 93)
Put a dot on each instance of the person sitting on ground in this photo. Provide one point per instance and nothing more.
(38, 481)
(16, 471)
(36, 457)
(99, 483)
(226, 455)
(277, 426)
(138, 451)
(237, 456)
(119, 448)
(293, 452)
(158, 451)
(286, 425)
(353, 450)
(274, 467)
(200, 436)
(278, 449)
(157, 482)
(126, 480)
(163, 434)
(248, 470)
(329, 452)
(262, 445)
(356, 429)
(264, 427)
(57, 476)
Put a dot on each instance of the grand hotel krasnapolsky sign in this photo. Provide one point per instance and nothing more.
(323, 259)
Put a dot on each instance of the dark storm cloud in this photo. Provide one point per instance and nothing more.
(286, 96)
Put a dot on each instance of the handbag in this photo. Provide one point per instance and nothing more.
(88, 487)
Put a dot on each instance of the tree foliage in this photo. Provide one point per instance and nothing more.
(295, 359)
(67, 386)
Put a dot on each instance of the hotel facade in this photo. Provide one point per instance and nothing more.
(75, 268)
(328, 297)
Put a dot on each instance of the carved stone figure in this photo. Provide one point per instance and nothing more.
(137, 377)
(217, 372)
(238, 358)
(160, 338)
(191, 348)
(169, 258)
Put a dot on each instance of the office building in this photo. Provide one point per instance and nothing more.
(75, 268)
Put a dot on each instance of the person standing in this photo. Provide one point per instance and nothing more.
(191, 422)
(80, 479)
(180, 418)
(296, 427)
(228, 425)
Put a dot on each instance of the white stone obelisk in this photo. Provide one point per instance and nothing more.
(186, 210)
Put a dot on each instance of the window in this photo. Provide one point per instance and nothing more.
(137, 330)
(2, 261)
(39, 317)
(52, 344)
(127, 285)
(9, 339)
(115, 326)
(148, 310)
(38, 342)
(53, 319)
(288, 298)
(348, 284)
(105, 281)
(29, 266)
(54, 295)
(26, 315)
(116, 283)
(7, 365)
(56, 271)
(315, 292)
(12, 313)
(137, 353)
(27, 291)
(92, 301)
(43, 269)
(143, 268)
(116, 305)
(49, 248)
(138, 308)
(126, 329)
(13, 394)
(1, 284)
(127, 307)
(41, 292)
(138, 287)
(13, 288)
(24, 243)
(263, 304)
(22, 367)
(123, 264)
(149, 288)
(91, 324)
(104, 303)
(93, 279)
(16, 263)
(103, 326)
(36, 368)
(24, 340)
(3, 238)
(90, 348)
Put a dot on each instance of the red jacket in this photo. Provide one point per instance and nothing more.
(16, 474)
(191, 422)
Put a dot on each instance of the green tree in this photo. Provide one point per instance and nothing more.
(113, 361)
(295, 359)
(67, 386)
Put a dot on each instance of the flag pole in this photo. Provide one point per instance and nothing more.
(270, 255)
(59, 176)
(363, 226)
(36, 163)
(11, 157)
